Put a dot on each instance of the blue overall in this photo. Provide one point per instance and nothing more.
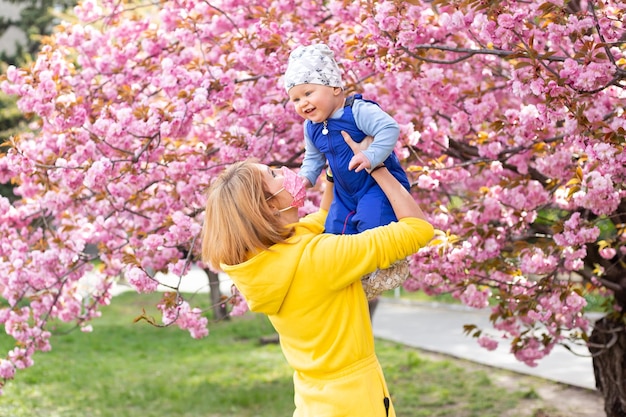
(359, 203)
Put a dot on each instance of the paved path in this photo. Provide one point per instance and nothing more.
(439, 328)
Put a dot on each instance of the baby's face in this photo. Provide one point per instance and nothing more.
(316, 102)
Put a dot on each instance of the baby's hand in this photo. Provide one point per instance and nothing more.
(306, 182)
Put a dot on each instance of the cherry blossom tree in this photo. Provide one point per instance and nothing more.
(513, 128)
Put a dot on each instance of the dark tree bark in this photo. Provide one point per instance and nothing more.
(219, 306)
(608, 347)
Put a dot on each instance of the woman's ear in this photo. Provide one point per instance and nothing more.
(272, 205)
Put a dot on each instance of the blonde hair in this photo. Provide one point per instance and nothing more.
(238, 222)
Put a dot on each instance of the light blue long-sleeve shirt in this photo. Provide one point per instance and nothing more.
(372, 121)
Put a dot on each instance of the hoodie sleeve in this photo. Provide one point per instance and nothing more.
(346, 258)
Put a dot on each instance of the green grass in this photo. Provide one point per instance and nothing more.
(426, 388)
(126, 369)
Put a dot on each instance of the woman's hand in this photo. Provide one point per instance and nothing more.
(359, 161)
(401, 200)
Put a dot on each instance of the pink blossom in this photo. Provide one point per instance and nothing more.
(186, 318)
(575, 302)
(427, 182)
(433, 279)
(239, 308)
(411, 285)
(141, 281)
(575, 233)
(599, 194)
(532, 351)
(238, 302)
(460, 123)
(608, 253)
(491, 149)
(21, 358)
(474, 297)
(535, 261)
(509, 325)
(487, 343)
(7, 369)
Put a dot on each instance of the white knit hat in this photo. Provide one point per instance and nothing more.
(313, 64)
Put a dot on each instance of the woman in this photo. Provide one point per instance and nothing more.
(308, 282)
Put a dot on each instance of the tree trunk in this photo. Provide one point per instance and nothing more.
(219, 307)
(608, 345)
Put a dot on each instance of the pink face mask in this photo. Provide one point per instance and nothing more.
(294, 185)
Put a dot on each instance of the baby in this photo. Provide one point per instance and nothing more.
(314, 84)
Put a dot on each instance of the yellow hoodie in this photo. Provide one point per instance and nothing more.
(310, 288)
